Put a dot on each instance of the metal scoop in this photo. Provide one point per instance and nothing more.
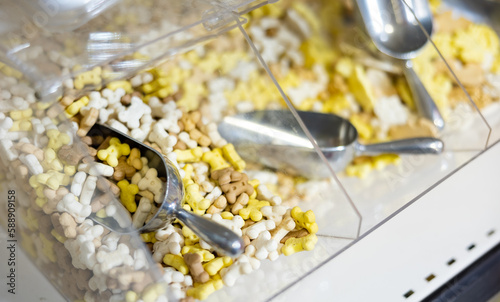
(274, 139)
(395, 32)
(219, 237)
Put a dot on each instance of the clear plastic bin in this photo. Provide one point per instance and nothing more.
(300, 43)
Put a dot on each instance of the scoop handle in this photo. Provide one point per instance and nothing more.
(222, 239)
(426, 106)
(419, 145)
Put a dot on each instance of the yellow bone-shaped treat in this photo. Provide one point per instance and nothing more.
(294, 245)
(21, 114)
(89, 77)
(125, 85)
(51, 179)
(361, 88)
(190, 237)
(197, 249)
(57, 139)
(196, 200)
(75, 107)
(252, 210)
(214, 266)
(190, 155)
(112, 153)
(177, 262)
(202, 291)
(361, 123)
(215, 159)
(148, 237)
(188, 175)
(22, 125)
(233, 157)
(360, 167)
(306, 220)
(383, 160)
(51, 161)
(127, 195)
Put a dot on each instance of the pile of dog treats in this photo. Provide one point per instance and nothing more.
(68, 176)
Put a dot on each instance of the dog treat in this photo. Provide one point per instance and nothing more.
(69, 178)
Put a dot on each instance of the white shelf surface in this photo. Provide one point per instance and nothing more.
(456, 221)
(385, 264)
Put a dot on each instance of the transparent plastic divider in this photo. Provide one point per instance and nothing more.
(55, 243)
(486, 93)
(382, 192)
(338, 219)
(50, 58)
(339, 224)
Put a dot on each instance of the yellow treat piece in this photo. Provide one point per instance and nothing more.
(193, 93)
(383, 160)
(214, 266)
(75, 107)
(306, 104)
(189, 156)
(496, 64)
(57, 139)
(202, 291)
(21, 114)
(215, 159)
(444, 42)
(127, 195)
(227, 215)
(294, 245)
(254, 183)
(51, 179)
(188, 175)
(152, 292)
(31, 220)
(344, 67)
(22, 125)
(233, 157)
(177, 262)
(48, 248)
(40, 202)
(190, 237)
(125, 85)
(51, 161)
(91, 77)
(11, 72)
(252, 210)
(148, 237)
(361, 88)
(361, 167)
(195, 200)
(69, 170)
(306, 220)
(101, 213)
(335, 104)
(28, 245)
(317, 51)
(112, 153)
(362, 125)
(439, 88)
(197, 249)
(131, 296)
(404, 92)
(56, 235)
(476, 42)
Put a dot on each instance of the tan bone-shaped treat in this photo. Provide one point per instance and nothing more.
(196, 269)
(232, 183)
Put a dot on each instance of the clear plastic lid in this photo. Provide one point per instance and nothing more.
(54, 41)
